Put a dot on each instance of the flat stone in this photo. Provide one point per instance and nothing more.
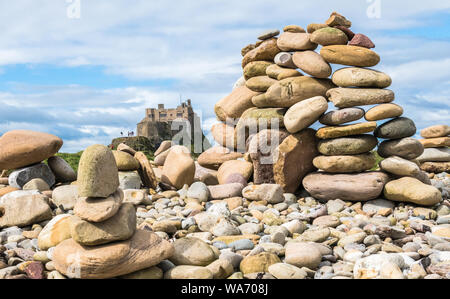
(348, 130)
(36, 184)
(286, 271)
(304, 114)
(361, 40)
(260, 83)
(266, 51)
(54, 232)
(435, 155)
(413, 191)
(345, 164)
(189, 272)
(407, 148)
(126, 149)
(24, 210)
(434, 142)
(271, 193)
(350, 55)
(279, 73)
(255, 69)
(352, 97)
(435, 167)
(117, 228)
(435, 131)
(398, 128)
(342, 116)
(351, 145)
(349, 187)
(384, 111)
(214, 157)
(268, 34)
(233, 105)
(294, 29)
(98, 209)
(289, 41)
(400, 166)
(145, 171)
(20, 177)
(144, 250)
(361, 77)
(312, 63)
(225, 191)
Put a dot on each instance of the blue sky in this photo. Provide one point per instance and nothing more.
(86, 79)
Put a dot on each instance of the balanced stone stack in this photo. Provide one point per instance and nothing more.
(101, 239)
(436, 157)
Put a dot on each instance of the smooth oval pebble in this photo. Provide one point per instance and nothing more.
(350, 55)
(401, 127)
(312, 63)
(304, 114)
(361, 77)
(407, 148)
(284, 59)
(351, 145)
(342, 116)
(345, 164)
(384, 111)
(329, 36)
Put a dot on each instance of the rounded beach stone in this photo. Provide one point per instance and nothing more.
(412, 190)
(97, 172)
(441, 154)
(352, 97)
(434, 142)
(268, 34)
(351, 145)
(192, 251)
(266, 51)
(179, 168)
(399, 166)
(314, 26)
(348, 187)
(302, 254)
(256, 68)
(345, 164)
(304, 114)
(125, 162)
(407, 148)
(312, 63)
(98, 209)
(233, 105)
(214, 157)
(398, 128)
(348, 130)
(329, 36)
(289, 41)
(294, 29)
(384, 111)
(435, 131)
(61, 169)
(361, 77)
(342, 116)
(284, 59)
(350, 55)
(260, 83)
(279, 73)
(258, 263)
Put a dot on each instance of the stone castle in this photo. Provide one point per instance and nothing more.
(157, 123)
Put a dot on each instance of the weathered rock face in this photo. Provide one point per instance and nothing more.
(342, 116)
(290, 91)
(360, 77)
(312, 63)
(412, 190)
(24, 210)
(192, 251)
(56, 231)
(98, 209)
(145, 249)
(351, 145)
(97, 172)
(20, 177)
(305, 113)
(119, 227)
(352, 187)
(345, 164)
(62, 170)
(398, 128)
(350, 55)
(289, 41)
(233, 105)
(436, 131)
(348, 130)
(407, 148)
(261, 148)
(288, 169)
(21, 148)
(384, 111)
(351, 97)
(179, 168)
(146, 171)
(125, 162)
(264, 52)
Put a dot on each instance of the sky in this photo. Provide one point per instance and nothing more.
(85, 70)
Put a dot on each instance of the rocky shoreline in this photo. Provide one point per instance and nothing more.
(283, 201)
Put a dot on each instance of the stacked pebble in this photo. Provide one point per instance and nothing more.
(436, 157)
(103, 225)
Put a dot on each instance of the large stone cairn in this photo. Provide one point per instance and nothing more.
(436, 157)
(103, 241)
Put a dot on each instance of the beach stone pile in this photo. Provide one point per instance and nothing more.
(436, 157)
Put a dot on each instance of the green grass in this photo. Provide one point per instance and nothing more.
(379, 159)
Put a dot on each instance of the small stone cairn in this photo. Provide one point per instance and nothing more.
(436, 157)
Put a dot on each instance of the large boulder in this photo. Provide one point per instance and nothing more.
(144, 250)
(412, 190)
(24, 209)
(20, 177)
(119, 227)
(97, 172)
(293, 159)
(63, 172)
(348, 187)
(179, 168)
(20, 148)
